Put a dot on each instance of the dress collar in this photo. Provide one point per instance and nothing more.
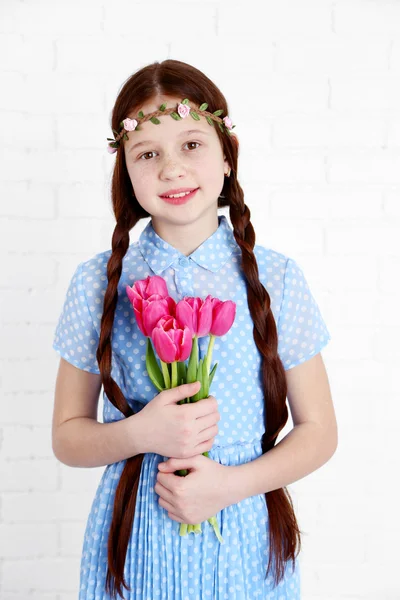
(211, 254)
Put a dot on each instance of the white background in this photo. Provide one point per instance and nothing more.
(314, 91)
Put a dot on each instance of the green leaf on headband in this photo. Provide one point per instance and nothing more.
(175, 116)
(163, 106)
(121, 124)
(153, 368)
(185, 101)
(218, 112)
(155, 120)
(204, 106)
(140, 114)
(137, 128)
(221, 127)
(195, 116)
(209, 120)
(126, 137)
(111, 139)
(116, 132)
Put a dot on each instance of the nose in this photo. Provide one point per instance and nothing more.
(172, 168)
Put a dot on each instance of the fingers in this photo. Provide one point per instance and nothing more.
(181, 391)
(170, 510)
(208, 421)
(204, 447)
(204, 407)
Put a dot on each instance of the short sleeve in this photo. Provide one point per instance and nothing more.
(302, 331)
(75, 338)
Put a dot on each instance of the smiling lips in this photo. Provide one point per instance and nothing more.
(181, 199)
(177, 191)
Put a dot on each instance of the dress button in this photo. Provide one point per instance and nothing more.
(184, 261)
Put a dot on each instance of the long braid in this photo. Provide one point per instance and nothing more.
(126, 492)
(282, 520)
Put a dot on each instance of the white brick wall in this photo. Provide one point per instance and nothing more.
(314, 90)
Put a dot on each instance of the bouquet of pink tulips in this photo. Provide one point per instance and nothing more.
(174, 328)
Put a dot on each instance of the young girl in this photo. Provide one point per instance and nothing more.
(173, 135)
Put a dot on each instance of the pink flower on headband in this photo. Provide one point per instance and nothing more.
(130, 124)
(183, 110)
(228, 122)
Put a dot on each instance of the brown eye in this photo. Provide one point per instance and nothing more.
(145, 154)
(194, 143)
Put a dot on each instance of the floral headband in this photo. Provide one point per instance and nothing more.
(183, 110)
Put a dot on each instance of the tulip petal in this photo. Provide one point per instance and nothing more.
(186, 344)
(205, 316)
(157, 285)
(223, 317)
(163, 344)
(153, 312)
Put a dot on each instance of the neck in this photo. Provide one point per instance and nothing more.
(188, 235)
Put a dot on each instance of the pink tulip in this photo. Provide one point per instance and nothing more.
(196, 314)
(223, 316)
(171, 342)
(144, 288)
(150, 301)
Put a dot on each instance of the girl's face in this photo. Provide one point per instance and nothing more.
(170, 157)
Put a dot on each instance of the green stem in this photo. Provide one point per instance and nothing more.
(174, 374)
(214, 524)
(165, 372)
(210, 351)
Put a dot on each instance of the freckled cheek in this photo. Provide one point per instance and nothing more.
(141, 179)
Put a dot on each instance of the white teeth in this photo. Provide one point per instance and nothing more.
(179, 195)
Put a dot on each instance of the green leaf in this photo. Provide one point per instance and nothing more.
(153, 367)
(193, 360)
(181, 371)
(175, 116)
(209, 120)
(140, 114)
(218, 112)
(221, 127)
(111, 139)
(195, 116)
(163, 106)
(138, 128)
(125, 136)
(212, 373)
(199, 394)
(116, 132)
(205, 380)
(155, 120)
(121, 124)
(185, 101)
(203, 106)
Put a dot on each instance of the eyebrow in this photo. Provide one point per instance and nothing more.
(188, 132)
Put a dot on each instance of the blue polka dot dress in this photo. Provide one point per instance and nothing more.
(160, 564)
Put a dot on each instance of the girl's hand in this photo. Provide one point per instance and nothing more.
(178, 430)
(200, 495)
